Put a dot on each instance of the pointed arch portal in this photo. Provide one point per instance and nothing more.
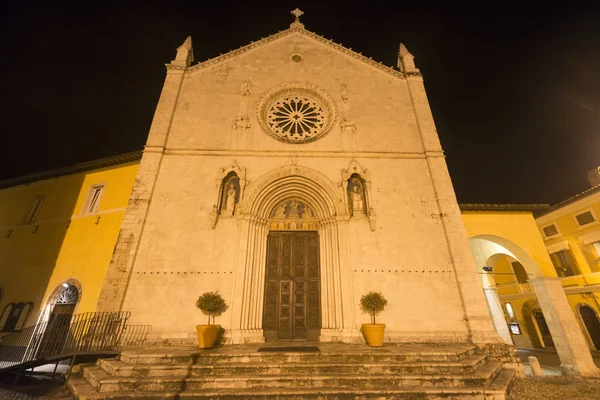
(268, 206)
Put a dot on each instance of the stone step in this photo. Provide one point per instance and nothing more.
(363, 355)
(118, 368)
(104, 382)
(495, 391)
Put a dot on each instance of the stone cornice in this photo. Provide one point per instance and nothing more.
(309, 34)
(294, 153)
(175, 67)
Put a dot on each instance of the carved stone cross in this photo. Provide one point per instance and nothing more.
(297, 13)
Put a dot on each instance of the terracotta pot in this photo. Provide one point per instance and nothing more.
(373, 334)
(207, 335)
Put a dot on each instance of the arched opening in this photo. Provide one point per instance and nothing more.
(536, 326)
(508, 269)
(293, 259)
(591, 323)
(61, 308)
(292, 281)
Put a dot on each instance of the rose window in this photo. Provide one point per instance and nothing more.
(296, 117)
(296, 113)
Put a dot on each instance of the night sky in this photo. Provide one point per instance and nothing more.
(514, 86)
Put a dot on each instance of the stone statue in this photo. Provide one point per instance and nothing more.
(280, 212)
(344, 93)
(230, 204)
(245, 88)
(213, 217)
(294, 209)
(358, 203)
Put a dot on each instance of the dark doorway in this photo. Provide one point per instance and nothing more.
(292, 308)
(543, 327)
(592, 325)
(58, 327)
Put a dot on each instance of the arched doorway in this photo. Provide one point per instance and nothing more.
(63, 303)
(536, 325)
(61, 307)
(293, 204)
(292, 308)
(591, 323)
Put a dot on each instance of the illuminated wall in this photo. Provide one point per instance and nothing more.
(64, 240)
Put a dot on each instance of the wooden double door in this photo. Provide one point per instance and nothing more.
(292, 308)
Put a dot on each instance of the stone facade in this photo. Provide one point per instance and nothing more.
(367, 163)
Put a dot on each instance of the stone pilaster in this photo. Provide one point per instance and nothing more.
(249, 281)
(566, 334)
(123, 259)
(476, 313)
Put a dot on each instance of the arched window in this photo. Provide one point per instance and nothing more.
(15, 316)
(25, 311)
(5, 314)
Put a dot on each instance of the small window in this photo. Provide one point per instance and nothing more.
(550, 230)
(564, 263)
(93, 199)
(34, 210)
(585, 218)
(510, 311)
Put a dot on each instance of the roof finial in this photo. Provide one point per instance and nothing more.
(297, 13)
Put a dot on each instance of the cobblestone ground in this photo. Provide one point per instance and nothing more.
(555, 388)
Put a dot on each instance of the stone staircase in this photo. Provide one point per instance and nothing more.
(337, 371)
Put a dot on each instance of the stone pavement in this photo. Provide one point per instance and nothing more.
(555, 388)
(549, 358)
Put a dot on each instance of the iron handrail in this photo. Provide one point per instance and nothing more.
(67, 335)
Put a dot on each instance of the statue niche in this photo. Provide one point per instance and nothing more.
(230, 194)
(356, 195)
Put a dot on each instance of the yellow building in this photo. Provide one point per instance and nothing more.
(561, 242)
(571, 234)
(58, 231)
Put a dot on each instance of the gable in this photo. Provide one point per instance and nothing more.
(372, 99)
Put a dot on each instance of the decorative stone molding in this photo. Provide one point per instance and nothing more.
(355, 196)
(345, 123)
(299, 30)
(296, 112)
(272, 199)
(242, 121)
(554, 248)
(330, 203)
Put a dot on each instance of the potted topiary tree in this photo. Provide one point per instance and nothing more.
(373, 303)
(213, 305)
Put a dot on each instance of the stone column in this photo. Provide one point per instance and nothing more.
(570, 344)
(491, 293)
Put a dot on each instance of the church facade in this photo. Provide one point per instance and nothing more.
(294, 175)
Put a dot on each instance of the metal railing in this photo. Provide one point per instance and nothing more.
(68, 335)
